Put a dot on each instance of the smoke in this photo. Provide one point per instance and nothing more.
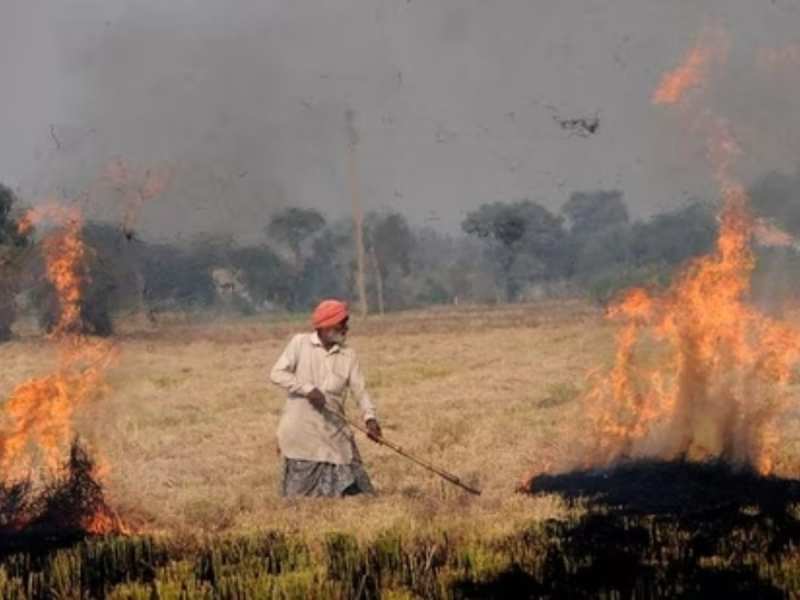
(699, 373)
(455, 102)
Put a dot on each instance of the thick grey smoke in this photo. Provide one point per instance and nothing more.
(457, 102)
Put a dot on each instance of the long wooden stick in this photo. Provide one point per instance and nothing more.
(447, 476)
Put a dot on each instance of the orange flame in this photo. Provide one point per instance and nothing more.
(65, 257)
(37, 423)
(695, 68)
(698, 372)
(105, 521)
(40, 411)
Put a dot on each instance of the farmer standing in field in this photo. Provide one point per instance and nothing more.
(316, 369)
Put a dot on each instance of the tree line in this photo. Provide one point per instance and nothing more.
(506, 252)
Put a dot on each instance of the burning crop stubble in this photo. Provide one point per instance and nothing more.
(715, 396)
(192, 448)
(718, 388)
(37, 422)
(37, 425)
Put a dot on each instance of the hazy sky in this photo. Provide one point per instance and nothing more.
(455, 101)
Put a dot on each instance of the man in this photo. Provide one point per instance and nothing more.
(317, 369)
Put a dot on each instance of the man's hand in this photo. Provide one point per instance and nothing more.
(374, 430)
(316, 398)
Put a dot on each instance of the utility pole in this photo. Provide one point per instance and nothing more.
(378, 276)
(358, 213)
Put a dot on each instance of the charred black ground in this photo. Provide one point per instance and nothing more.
(678, 488)
(671, 529)
(57, 513)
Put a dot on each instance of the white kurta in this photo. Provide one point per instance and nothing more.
(304, 432)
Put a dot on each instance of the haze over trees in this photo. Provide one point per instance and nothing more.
(12, 246)
(776, 197)
(508, 252)
(523, 240)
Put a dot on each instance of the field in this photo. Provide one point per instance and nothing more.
(188, 422)
(187, 430)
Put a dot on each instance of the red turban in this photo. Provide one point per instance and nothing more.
(329, 313)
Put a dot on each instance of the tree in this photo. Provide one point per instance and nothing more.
(644, 253)
(388, 240)
(329, 270)
(265, 274)
(522, 234)
(673, 237)
(593, 212)
(293, 226)
(776, 196)
(12, 246)
(175, 276)
(115, 254)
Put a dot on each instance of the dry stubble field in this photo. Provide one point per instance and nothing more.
(188, 421)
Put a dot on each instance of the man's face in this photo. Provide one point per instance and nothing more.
(335, 334)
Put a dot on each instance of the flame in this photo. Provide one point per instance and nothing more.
(65, 259)
(36, 427)
(695, 68)
(104, 520)
(698, 372)
(40, 412)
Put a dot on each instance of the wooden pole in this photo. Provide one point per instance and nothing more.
(358, 214)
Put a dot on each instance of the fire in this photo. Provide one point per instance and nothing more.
(65, 257)
(36, 427)
(104, 521)
(40, 412)
(698, 372)
(694, 70)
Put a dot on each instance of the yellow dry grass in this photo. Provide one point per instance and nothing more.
(188, 424)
